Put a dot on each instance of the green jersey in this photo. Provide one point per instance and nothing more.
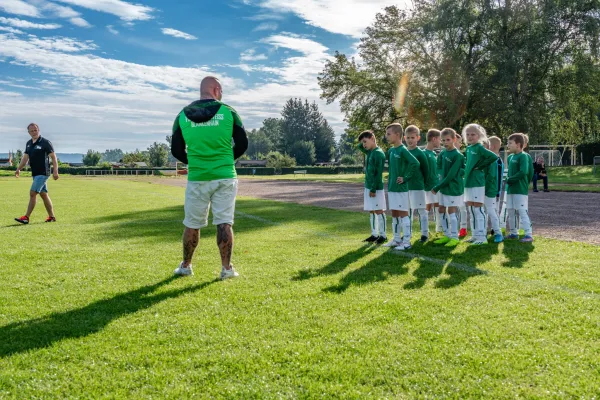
(433, 177)
(417, 182)
(451, 165)
(401, 164)
(478, 159)
(375, 160)
(518, 174)
(530, 174)
(493, 177)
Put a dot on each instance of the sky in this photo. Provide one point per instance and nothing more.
(105, 74)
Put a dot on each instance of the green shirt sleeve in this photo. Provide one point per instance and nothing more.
(452, 173)
(362, 148)
(412, 163)
(523, 171)
(424, 165)
(379, 162)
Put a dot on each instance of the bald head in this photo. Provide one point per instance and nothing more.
(210, 88)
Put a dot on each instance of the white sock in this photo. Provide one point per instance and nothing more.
(463, 217)
(503, 215)
(423, 221)
(406, 230)
(495, 221)
(471, 220)
(382, 225)
(526, 222)
(453, 226)
(512, 221)
(438, 220)
(374, 225)
(446, 224)
(396, 227)
(479, 223)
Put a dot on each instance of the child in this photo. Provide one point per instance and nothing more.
(416, 185)
(402, 167)
(433, 200)
(462, 220)
(518, 187)
(374, 198)
(478, 160)
(493, 184)
(451, 187)
(515, 221)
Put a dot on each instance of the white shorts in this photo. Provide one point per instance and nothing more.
(475, 194)
(374, 203)
(399, 201)
(200, 195)
(451, 201)
(491, 203)
(417, 199)
(517, 201)
(431, 198)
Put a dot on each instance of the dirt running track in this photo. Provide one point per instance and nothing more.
(560, 215)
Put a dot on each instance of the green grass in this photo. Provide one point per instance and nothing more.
(88, 307)
(573, 175)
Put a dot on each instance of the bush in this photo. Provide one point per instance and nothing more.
(589, 150)
(257, 171)
(277, 160)
(303, 152)
(348, 160)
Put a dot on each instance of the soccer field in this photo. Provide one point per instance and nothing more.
(89, 307)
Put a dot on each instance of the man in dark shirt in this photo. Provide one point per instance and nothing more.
(539, 172)
(37, 151)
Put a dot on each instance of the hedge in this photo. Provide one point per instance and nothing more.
(589, 150)
(257, 171)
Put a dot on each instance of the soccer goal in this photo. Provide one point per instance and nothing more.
(554, 156)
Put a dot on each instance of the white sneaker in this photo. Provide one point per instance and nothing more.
(402, 247)
(228, 273)
(183, 271)
(392, 243)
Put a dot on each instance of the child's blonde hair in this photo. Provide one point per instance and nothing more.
(495, 140)
(478, 128)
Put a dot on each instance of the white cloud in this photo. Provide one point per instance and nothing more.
(266, 17)
(80, 22)
(59, 11)
(178, 34)
(122, 9)
(19, 7)
(62, 44)
(20, 23)
(112, 30)
(266, 26)
(10, 30)
(347, 17)
(250, 55)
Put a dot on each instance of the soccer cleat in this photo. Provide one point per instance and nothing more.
(228, 273)
(424, 238)
(470, 240)
(478, 242)
(462, 233)
(381, 240)
(512, 236)
(184, 271)
(442, 240)
(527, 239)
(371, 239)
(50, 219)
(498, 238)
(392, 243)
(24, 219)
(452, 243)
(403, 247)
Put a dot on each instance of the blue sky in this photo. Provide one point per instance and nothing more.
(105, 74)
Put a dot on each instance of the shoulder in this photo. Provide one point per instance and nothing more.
(236, 117)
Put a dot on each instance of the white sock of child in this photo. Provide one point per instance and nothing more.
(382, 225)
(511, 219)
(446, 224)
(479, 223)
(453, 226)
(423, 221)
(438, 220)
(396, 228)
(406, 230)
(463, 217)
(374, 225)
(526, 222)
(494, 219)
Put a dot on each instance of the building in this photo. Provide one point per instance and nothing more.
(7, 162)
(251, 163)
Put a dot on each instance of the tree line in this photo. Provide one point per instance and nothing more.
(513, 66)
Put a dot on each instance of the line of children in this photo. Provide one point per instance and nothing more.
(420, 181)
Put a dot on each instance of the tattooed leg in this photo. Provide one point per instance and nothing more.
(225, 243)
(190, 242)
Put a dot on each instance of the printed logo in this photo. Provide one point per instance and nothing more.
(37, 148)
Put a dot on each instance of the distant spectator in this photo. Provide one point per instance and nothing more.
(539, 172)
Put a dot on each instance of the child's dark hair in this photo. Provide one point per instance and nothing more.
(366, 135)
(396, 128)
(432, 133)
(448, 132)
(518, 138)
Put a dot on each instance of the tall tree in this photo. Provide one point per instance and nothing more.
(158, 154)
(272, 129)
(135, 156)
(303, 152)
(91, 158)
(258, 144)
(112, 155)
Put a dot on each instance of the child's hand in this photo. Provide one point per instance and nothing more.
(372, 194)
(400, 180)
(434, 192)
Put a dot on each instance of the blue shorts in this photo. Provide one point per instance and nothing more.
(39, 184)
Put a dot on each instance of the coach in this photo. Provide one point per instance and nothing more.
(37, 151)
(202, 138)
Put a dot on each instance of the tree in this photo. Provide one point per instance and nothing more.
(114, 155)
(135, 156)
(172, 158)
(272, 130)
(91, 158)
(17, 157)
(158, 154)
(258, 144)
(277, 160)
(303, 152)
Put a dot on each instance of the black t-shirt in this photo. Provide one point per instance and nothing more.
(38, 156)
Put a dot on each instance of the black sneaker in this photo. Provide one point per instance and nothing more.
(381, 240)
(424, 239)
(371, 239)
(546, 190)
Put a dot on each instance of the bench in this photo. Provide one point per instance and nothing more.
(302, 172)
(596, 163)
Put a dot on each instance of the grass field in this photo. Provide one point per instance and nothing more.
(89, 308)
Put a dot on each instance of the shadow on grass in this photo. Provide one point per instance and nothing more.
(337, 265)
(377, 270)
(516, 253)
(43, 332)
